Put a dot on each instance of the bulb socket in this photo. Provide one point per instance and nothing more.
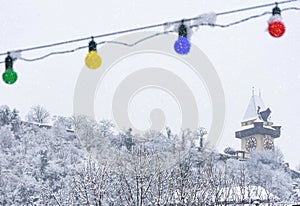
(182, 30)
(8, 62)
(276, 10)
(92, 45)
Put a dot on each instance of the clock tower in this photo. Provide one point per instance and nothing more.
(257, 131)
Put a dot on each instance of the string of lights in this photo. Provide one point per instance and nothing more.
(182, 46)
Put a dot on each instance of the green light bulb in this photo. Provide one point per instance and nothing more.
(9, 76)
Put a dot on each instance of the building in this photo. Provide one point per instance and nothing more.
(257, 131)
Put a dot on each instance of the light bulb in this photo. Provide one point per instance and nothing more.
(276, 28)
(93, 60)
(9, 76)
(182, 45)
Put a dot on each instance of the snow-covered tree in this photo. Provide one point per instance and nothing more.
(38, 114)
(8, 117)
(79, 161)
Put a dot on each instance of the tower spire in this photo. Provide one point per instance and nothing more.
(253, 91)
(259, 92)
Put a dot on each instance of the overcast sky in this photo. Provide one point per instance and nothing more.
(244, 55)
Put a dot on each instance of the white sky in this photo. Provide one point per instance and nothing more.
(243, 55)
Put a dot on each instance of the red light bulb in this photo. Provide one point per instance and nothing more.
(276, 28)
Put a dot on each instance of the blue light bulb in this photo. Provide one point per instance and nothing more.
(182, 45)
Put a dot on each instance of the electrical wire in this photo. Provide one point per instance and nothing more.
(291, 8)
(146, 28)
(103, 42)
(255, 7)
(233, 23)
(247, 19)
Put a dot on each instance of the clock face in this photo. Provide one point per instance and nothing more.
(251, 143)
(268, 143)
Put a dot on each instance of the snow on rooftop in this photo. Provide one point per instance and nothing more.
(247, 127)
(251, 112)
(269, 127)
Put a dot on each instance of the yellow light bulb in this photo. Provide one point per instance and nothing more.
(93, 60)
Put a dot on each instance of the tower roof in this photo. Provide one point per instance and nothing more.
(255, 103)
